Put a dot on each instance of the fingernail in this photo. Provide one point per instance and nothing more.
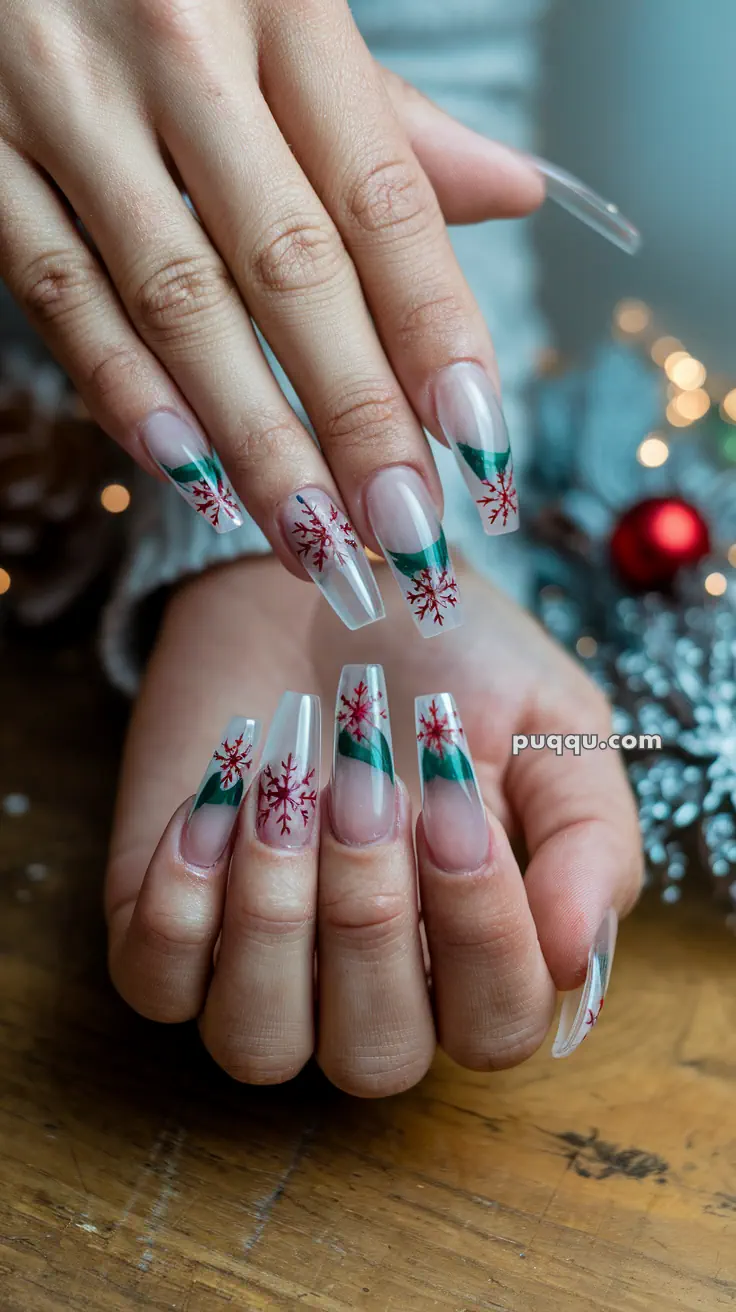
(288, 781)
(586, 205)
(326, 543)
(453, 814)
(215, 808)
(194, 469)
(471, 418)
(407, 527)
(362, 798)
(581, 1009)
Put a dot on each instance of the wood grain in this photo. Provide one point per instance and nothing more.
(135, 1174)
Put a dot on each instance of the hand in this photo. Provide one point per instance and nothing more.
(322, 184)
(497, 947)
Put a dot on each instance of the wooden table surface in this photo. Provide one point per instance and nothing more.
(133, 1173)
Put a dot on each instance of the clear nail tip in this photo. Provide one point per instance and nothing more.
(586, 205)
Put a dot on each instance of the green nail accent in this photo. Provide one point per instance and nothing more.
(215, 795)
(208, 467)
(486, 465)
(435, 557)
(453, 765)
(373, 750)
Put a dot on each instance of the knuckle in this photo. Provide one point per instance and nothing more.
(363, 418)
(392, 197)
(178, 22)
(165, 935)
(438, 316)
(268, 923)
(175, 297)
(56, 284)
(378, 921)
(273, 444)
(114, 373)
(303, 256)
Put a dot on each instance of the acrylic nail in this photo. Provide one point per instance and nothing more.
(470, 416)
(194, 469)
(408, 529)
(326, 543)
(582, 1008)
(214, 811)
(362, 791)
(288, 781)
(453, 814)
(586, 205)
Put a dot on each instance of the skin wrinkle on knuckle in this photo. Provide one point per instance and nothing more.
(367, 921)
(391, 198)
(433, 318)
(167, 935)
(366, 419)
(57, 283)
(276, 447)
(297, 255)
(115, 372)
(267, 924)
(179, 23)
(180, 294)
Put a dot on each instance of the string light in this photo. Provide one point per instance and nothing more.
(115, 498)
(662, 347)
(715, 584)
(728, 407)
(653, 451)
(687, 407)
(4, 581)
(688, 374)
(632, 317)
(673, 359)
(586, 646)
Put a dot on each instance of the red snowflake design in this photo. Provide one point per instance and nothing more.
(501, 499)
(233, 760)
(213, 500)
(287, 794)
(591, 1017)
(432, 591)
(323, 535)
(360, 711)
(438, 731)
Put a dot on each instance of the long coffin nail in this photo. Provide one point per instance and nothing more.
(328, 547)
(288, 782)
(586, 205)
(193, 468)
(471, 418)
(453, 814)
(362, 792)
(406, 525)
(581, 1009)
(215, 808)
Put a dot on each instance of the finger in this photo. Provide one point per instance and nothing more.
(376, 1035)
(70, 301)
(494, 997)
(258, 1018)
(161, 941)
(473, 177)
(388, 215)
(303, 291)
(581, 830)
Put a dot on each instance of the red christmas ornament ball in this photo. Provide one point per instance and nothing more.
(655, 539)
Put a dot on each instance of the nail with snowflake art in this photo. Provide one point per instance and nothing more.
(362, 791)
(471, 418)
(288, 781)
(453, 814)
(215, 808)
(193, 468)
(582, 1008)
(326, 543)
(408, 529)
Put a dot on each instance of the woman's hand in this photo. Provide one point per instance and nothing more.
(229, 938)
(322, 184)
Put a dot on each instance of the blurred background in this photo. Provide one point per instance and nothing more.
(640, 102)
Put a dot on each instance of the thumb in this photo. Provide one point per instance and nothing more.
(474, 177)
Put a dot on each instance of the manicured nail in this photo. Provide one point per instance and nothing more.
(471, 418)
(288, 782)
(406, 525)
(586, 205)
(329, 549)
(362, 796)
(194, 469)
(215, 808)
(453, 814)
(581, 1009)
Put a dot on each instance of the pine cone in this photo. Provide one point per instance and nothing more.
(56, 538)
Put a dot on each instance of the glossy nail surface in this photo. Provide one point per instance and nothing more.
(586, 205)
(471, 418)
(453, 814)
(215, 808)
(408, 529)
(362, 792)
(288, 781)
(328, 547)
(193, 468)
(581, 1009)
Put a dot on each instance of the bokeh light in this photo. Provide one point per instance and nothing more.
(4, 581)
(653, 451)
(115, 498)
(663, 347)
(715, 584)
(632, 317)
